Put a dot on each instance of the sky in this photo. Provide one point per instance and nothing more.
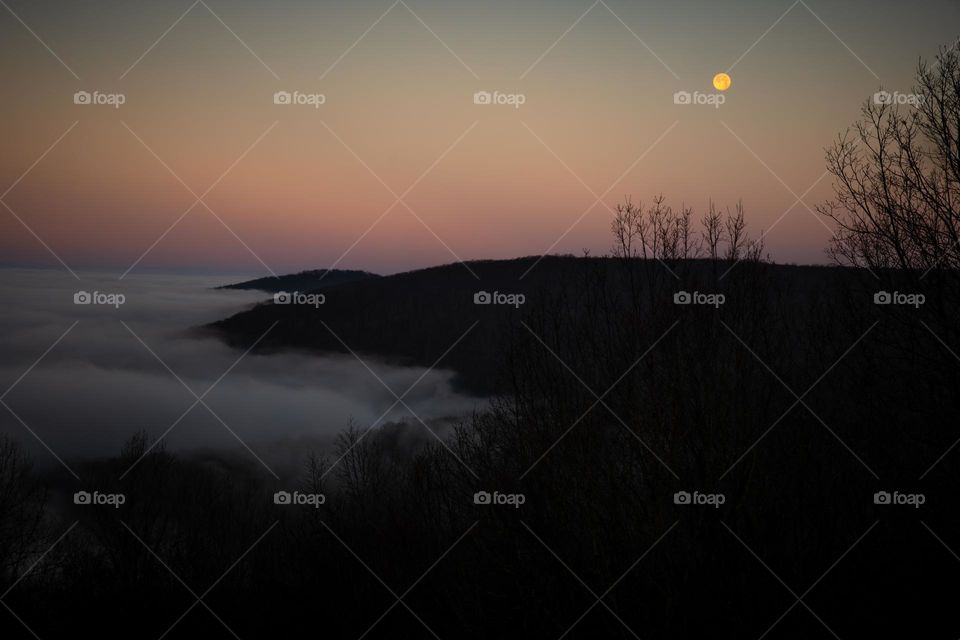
(200, 170)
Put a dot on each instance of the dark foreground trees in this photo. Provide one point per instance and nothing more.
(22, 501)
(619, 401)
(897, 204)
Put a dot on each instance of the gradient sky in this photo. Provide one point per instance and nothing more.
(400, 99)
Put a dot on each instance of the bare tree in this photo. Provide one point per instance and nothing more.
(660, 233)
(897, 177)
(628, 231)
(735, 227)
(690, 248)
(22, 501)
(712, 233)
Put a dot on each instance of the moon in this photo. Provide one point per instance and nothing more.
(722, 82)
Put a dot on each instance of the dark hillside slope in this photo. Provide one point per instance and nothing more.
(409, 318)
(414, 317)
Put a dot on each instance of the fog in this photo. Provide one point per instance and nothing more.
(99, 385)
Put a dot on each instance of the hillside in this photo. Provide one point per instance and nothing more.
(303, 281)
(412, 318)
(409, 318)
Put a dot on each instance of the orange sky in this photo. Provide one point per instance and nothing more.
(491, 180)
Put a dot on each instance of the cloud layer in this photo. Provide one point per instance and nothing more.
(100, 384)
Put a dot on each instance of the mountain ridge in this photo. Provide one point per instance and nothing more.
(310, 279)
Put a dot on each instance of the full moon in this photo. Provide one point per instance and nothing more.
(722, 82)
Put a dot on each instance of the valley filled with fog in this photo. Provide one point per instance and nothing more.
(100, 384)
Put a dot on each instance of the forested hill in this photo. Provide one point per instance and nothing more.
(413, 318)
